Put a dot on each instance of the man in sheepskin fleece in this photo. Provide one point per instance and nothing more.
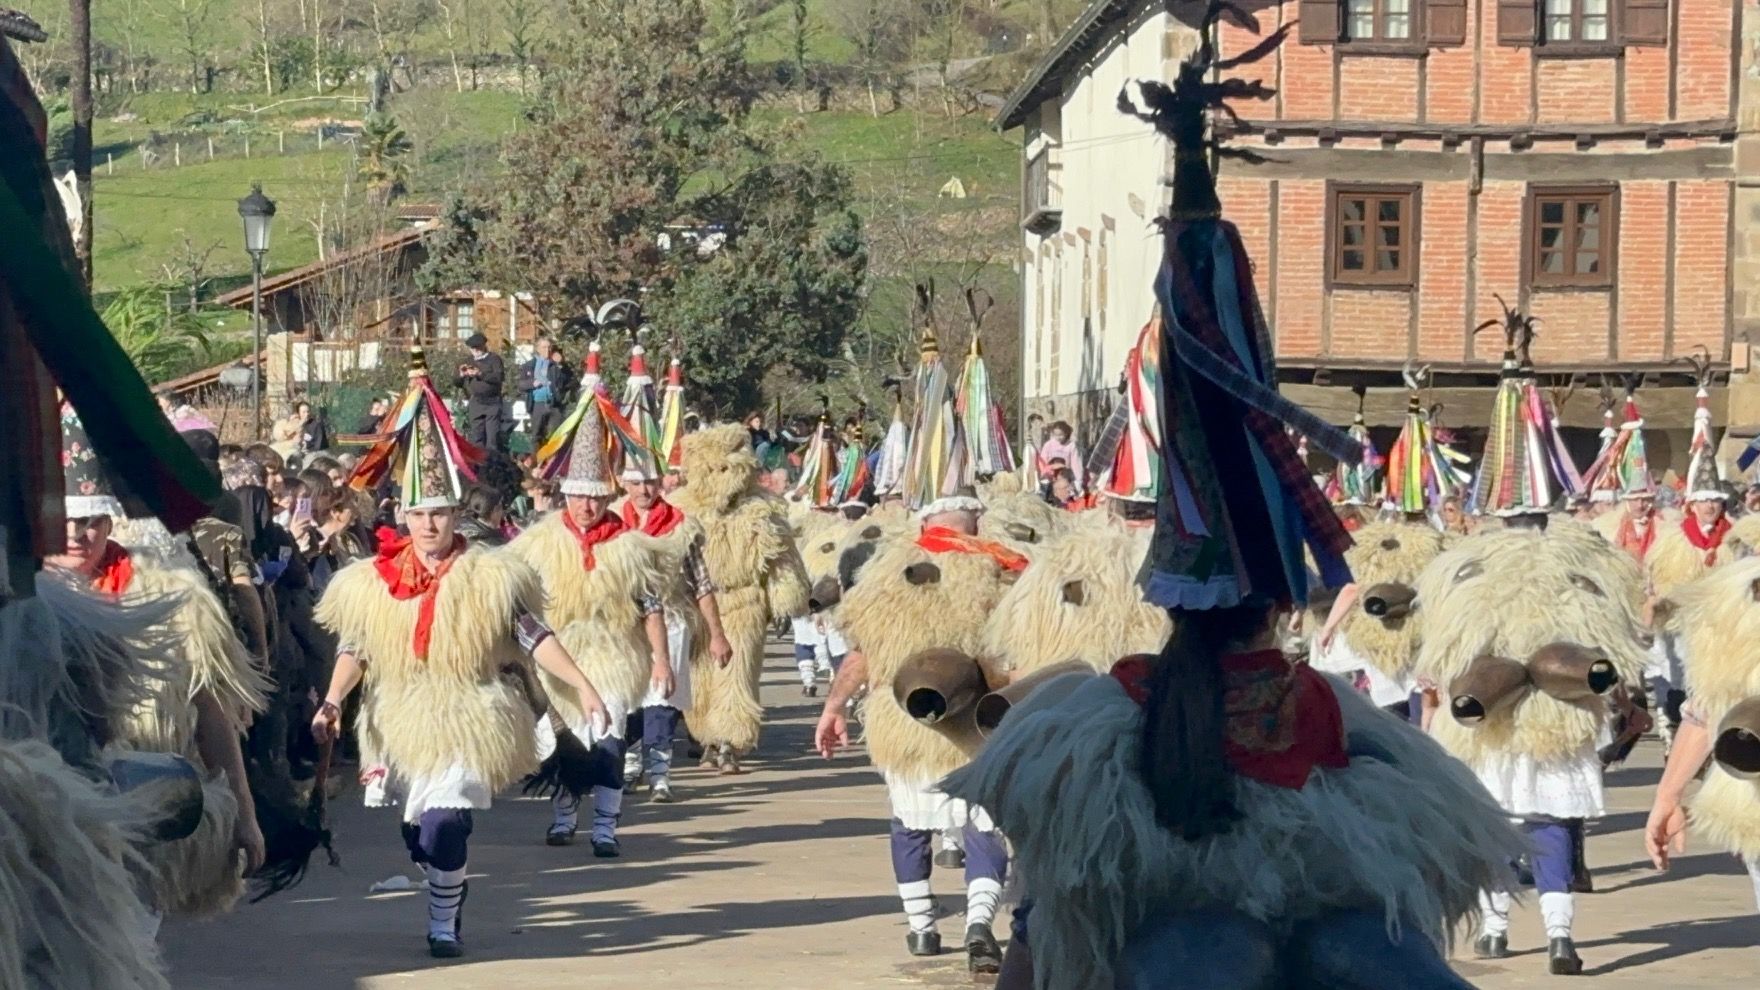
(932, 589)
(432, 627)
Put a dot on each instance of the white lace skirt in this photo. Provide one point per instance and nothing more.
(921, 807)
(1566, 788)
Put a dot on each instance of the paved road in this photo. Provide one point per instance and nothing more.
(780, 879)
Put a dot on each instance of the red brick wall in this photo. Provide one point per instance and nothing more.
(1661, 307)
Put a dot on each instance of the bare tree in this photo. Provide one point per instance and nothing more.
(452, 13)
(189, 268)
(876, 29)
(800, 31)
(190, 20)
(264, 50)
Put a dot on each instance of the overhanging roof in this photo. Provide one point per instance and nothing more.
(1076, 45)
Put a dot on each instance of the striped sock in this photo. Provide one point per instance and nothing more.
(567, 808)
(982, 896)
(1496, 913)
(607, 809)
(445, 896)
(919, 905)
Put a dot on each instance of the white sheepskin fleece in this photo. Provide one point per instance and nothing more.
(1078, 601)
(1403, 829)
(1510, 592)
(1387, 553)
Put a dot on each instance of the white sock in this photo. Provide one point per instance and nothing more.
(919, 905)
(806, 669)
(982, 896)
(1558, 910)
(445, 894)
(607, 808)
(1754, 873)
(1495, 908)
(950, 840)
(567, 808)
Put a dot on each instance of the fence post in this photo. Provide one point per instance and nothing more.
(110, 163)
(320, 137)
(281, 142)
(247, 144)
(210, 148)
(177, 153)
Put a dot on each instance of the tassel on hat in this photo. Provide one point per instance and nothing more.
(1422, 469)
(938, 461)
(672, 414)
(1622, 470)
(1525, 465)
(1705, 481)
(1355, 484)
(980, 416)
(1135, 472)
(422, 450)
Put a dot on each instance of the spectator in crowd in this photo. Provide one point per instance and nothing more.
(1063, 492)
(314, 429)
(375, 414)
(483, 517)
(481, 379)
(548, 383)
(1060, 445)
(755, 426)
(1751, 498)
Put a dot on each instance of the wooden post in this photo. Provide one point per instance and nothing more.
(80, 96)
(177, 153)
(320, 137)
(281, 142)
(110, 163)
(210, 147)
(247, 144)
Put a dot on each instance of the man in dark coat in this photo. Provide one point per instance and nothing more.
(481, 380)
(548, 384)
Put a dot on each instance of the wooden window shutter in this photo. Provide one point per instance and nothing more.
(1518, 22)
(1445, 22)
(1644, 22)
(1321, 22)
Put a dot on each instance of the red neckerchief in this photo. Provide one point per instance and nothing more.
(1708, 542)
(400, 567)
(115, 570)
(940, 539)
(663, 518)
(1631, 542)
(1281, 719)
(604, 529)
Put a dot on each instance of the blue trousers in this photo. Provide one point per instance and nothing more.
(1552, 854)
(913, 857)
(438, 838)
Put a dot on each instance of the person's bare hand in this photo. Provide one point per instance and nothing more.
(720, 650)
(326, 724)
(832, 732)
(248, 838)
(1665, 834)
(660, 679)
(593, 711)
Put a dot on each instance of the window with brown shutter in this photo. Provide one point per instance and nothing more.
(1571, 236)
(1644, 22)
(1372, 236)
(1518, 22)
(1445, 22)
(1320, 23)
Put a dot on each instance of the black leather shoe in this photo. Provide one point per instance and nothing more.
(1563, 954)
(983, 955)
(923, 943)
(606, 850)
(951, 859)
(445, 948)
(1491, 947)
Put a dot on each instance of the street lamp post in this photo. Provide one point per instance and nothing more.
(257, 210)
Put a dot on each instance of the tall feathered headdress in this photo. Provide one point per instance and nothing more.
(1355, 484)
(1129, 453)
(1621, 469)
(1239, 505)
(979, 415)
(421, 449)
(672, 411)
(1704, 473)
(1525, 465)
(938, 462)
(894, 448)
(1422, 470)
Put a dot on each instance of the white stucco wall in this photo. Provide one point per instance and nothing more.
(1087, 286)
